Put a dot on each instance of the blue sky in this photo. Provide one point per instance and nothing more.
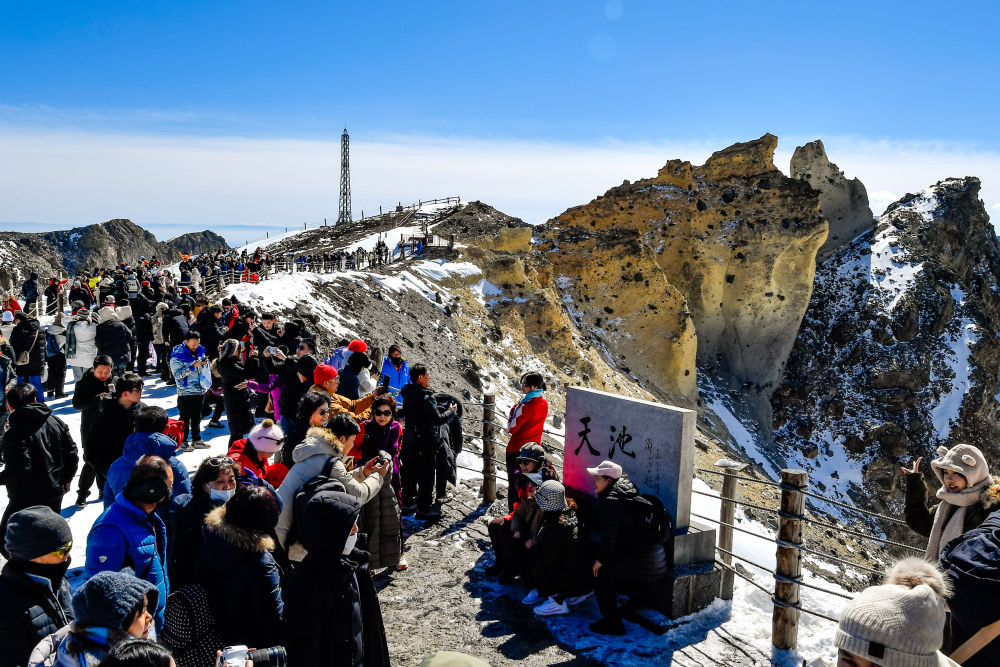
(209, 87)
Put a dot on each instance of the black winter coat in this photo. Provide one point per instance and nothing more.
(560, 556)
(423, 419)
(972, 562)
(175, 327)
(23, 337)
(30, 612)
(86, 399)
(243, 581)
(332, 615)
(142, 313)
(39, 453)
(186, 526)
(237, 401)
(618, 528)
(105, 440)
(114, 339)
(212, 334)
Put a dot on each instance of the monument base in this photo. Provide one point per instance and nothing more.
(695, 545)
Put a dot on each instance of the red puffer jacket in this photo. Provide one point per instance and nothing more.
(272, 473)
(526, 422)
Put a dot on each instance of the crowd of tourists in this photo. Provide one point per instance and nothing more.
(275, 544)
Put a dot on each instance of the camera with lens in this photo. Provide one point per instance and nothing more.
(236, 656)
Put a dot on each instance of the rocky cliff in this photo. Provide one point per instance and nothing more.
(898, 351)
(706, 267)
(843, 202)
(100, 245)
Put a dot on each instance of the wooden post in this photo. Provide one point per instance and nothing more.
(788, 560)
(727, 513)
(489, 470)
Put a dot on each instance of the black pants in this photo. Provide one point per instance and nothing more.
(610, 583)
(16, 503)
(142, 354)
(189, 409)
(418, 478)
(88, 475)
(56, 380)
(162, 364)
(511, 489)
(212, 401)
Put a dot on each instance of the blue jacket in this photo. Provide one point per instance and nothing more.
(125, 536)
(972, 562)
(397, 378)
(136, 446)
(191, 381)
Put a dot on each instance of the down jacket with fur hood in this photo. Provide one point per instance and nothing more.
(310, 457)
(242, 579)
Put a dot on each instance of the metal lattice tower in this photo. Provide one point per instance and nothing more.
(344, 214)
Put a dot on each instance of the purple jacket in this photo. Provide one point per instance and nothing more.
(275, 383)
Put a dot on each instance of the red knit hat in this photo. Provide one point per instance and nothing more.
(357, 345)
(324, 373)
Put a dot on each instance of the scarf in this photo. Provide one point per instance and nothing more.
(950, 524)
(534, 393)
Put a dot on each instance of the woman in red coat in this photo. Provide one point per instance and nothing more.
(525, 424)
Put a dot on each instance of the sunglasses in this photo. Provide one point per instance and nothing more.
(302, 347)
(218, 461)
(323, 411)
(62, 551)
(383, 413)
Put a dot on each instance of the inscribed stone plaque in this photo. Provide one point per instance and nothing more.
(652, 442)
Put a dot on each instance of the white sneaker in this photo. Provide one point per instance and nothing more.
(531, 598)
(579, 598)
(551, 608)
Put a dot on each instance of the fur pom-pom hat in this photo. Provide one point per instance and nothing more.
(901, 622)
(964, 459)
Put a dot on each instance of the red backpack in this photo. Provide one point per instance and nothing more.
(175, 429)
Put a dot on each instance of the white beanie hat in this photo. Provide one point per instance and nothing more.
(8, 316)
(266, 437)
(900, 623)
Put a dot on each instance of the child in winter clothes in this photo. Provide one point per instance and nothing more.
(900, 622)
(968, 494)
(253, 453)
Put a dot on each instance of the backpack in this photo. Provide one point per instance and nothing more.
(652, 519)
(175, 429)
(321, 482)
(189, 627)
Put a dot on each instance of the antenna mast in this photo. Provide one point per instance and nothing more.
(345, 179)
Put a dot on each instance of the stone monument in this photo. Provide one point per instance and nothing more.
(654, 444)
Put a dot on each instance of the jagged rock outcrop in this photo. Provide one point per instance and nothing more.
(708, 266)
(843, 202)
(898, 352)
(91, 247)
(193, 242)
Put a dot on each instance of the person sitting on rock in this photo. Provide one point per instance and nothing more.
(968, 495)
(624, 563)
(558, 557)
(530, 459)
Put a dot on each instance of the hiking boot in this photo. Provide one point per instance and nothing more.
(428, 515)
(551, 608)
(81, 502)
(579, 598)
(186, 447)
(214, 424)
(607, 626)
(408, 508)
(200, 444)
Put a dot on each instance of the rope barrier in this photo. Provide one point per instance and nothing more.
(743, 576)
(745, 560)
(800, 582)
(799, 607)
(852, 508)
(766, 482)
(898, 545)
(729, 525)
(774, 600)
(738, 502)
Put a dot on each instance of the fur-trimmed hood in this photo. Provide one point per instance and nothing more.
(989, 499)
(241, 538)
(318, 442)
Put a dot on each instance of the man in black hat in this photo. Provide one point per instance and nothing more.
(33, 586)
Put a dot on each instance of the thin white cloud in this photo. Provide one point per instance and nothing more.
(69, 178)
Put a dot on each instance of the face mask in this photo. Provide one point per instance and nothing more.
(396, 361)
(54, 572)
(351, 541)
(219, 494)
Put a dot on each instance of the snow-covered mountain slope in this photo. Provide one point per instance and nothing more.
(898, 351)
